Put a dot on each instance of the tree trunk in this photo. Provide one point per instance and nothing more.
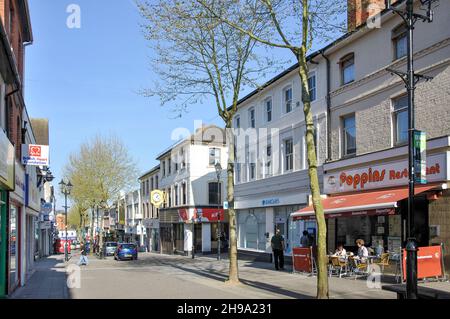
(321, 255)
(233, 276)
(91, 239)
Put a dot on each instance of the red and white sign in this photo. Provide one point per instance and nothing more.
(35, 155)
(382, 175)
(201, 214)
(429, 262)
(302, 259)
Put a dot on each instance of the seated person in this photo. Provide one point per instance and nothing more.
(363, 253)
(340, 252)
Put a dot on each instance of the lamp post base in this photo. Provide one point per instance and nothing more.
(411, 269)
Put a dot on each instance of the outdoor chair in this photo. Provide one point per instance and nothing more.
(384, 261)
(337, 266)
(359, 268)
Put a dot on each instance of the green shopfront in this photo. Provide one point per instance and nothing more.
(7, 179)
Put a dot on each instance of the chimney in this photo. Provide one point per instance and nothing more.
(358, 11)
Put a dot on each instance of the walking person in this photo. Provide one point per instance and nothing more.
(83, 258)
(304, 240)
(278, 246)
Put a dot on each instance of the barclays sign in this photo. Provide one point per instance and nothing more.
(270, 202)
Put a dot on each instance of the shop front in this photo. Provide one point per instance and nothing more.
(259, 216)
(7, 181)
(171, 232)
(201, 225)
(152, 228)
(17, 234)
(367, 198)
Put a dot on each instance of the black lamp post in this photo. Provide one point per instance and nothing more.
(218, 168)
(66, 188)
(411, 79)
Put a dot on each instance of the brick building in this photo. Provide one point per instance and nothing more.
(368, 133)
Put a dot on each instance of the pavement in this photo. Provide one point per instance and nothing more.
(156, 276)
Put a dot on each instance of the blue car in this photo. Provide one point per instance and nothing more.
(126, 251)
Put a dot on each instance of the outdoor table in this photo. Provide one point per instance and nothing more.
(422, 292)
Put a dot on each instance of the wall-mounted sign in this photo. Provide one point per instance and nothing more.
(157, 197)
(6, 162)
(382, 175)
(420, 157)
(270, 202)
(35, 155)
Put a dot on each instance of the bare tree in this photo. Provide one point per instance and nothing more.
(198, 57)
(297, 24)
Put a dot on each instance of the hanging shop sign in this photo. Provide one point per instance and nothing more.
(6, 162)
(35, 155)
(420, 157)
(383, 175)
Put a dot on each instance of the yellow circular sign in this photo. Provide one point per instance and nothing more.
(157, 197)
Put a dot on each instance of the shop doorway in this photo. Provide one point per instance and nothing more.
(198, 237)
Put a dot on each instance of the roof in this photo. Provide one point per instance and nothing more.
(197, 136)
(154, 169)
(360, 29)
(25, 21)
(40, 129)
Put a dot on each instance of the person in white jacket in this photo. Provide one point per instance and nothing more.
(363, 253)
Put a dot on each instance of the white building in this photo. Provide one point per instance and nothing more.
(188, 178)
(271, 177)
(150, 181)
(134, 230)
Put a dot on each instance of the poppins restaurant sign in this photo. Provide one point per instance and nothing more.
(383, 175)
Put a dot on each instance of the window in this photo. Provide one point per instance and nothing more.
(156, 182)
(147, 187)
(183, 190)
(176, 167)
(399, 40)
(400, 118)
(287, 100)
(289, 155)
(169, 166)
(175, 190)
(163, 168)
(237, 172)
(251, 117)
(252, 166)
(183, 161)
(268, 109)
(349, 135)
(269, 160)
(214, 193)
(312, 87)
(214, 156)
(238, 122)
(347, 68)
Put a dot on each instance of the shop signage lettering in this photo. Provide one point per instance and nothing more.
(35, 155)
(383, 175)
(272, 201)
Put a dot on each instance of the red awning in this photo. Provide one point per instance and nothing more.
(362, 204)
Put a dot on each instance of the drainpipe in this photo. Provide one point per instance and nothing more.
(328, 106)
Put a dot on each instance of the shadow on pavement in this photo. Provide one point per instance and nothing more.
(49, 281)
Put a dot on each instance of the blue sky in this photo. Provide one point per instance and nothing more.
(85, 81)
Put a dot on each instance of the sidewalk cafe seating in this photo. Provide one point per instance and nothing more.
(337, 266)
(358, 267)
(384, 261)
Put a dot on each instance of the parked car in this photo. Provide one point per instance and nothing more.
(111, 248)
(126, 251)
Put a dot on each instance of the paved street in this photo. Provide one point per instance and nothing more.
(163, 276)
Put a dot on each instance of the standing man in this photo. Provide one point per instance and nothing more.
(278, 249)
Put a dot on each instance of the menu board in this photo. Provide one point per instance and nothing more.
(394, 244)
(395, 226)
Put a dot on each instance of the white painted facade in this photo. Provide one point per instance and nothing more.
(265, 201)
(186, 184)
(149, 182)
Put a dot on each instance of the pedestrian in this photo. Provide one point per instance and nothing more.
(278, 247)
(83, 258)
(304, 240)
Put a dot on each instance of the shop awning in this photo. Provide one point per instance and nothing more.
(363, 204)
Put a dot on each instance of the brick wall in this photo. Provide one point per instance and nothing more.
(439, 214)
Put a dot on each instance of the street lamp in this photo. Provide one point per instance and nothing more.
(410, 78)
(65, 188)
(218, 168)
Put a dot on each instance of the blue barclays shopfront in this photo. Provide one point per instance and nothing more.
(7, 179)
(258, 218)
